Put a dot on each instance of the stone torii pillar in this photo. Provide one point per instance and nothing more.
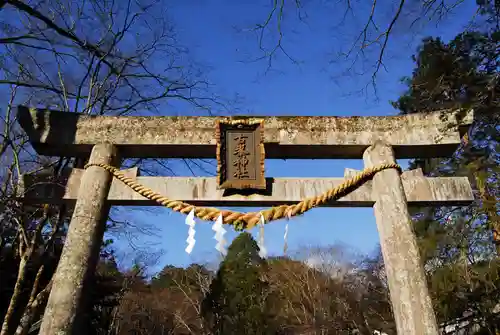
(65, 309)
(411, 302)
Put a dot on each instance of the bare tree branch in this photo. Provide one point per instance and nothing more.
(370, 45)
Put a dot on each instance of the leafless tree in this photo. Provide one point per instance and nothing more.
(324, 290)
(172, 305)
(97, 57)
(363, 32)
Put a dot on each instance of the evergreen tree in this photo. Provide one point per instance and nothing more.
(456, 242)
(461, 74)
(237, 301)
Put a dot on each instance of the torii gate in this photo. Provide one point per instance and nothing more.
(105, 140)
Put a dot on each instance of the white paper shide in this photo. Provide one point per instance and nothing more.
(191, 231)
(260, 243)
(218, 227)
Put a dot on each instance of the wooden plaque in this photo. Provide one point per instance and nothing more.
(240, 154)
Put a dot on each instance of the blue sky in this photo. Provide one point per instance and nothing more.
(207, 28)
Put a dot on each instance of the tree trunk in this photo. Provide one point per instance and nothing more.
(14, 300)
(31, 310)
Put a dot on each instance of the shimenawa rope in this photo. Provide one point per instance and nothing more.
(249, 220)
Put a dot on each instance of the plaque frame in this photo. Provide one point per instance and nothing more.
(224, 181)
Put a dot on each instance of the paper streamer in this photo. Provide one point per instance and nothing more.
(219, 235)
(260, 243)
(191, 231)
(285, 237)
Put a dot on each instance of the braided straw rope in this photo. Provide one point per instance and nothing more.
(249, 220)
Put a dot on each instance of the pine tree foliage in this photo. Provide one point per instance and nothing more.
(457, 243)
(237, 301)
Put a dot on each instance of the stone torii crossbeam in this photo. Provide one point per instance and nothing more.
(107, 140)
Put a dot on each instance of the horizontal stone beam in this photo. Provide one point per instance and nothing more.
(421, 135)
(202, 191)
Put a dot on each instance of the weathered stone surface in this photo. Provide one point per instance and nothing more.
(415, 135)
(203, 191)
(410, 297)
(65, 306)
